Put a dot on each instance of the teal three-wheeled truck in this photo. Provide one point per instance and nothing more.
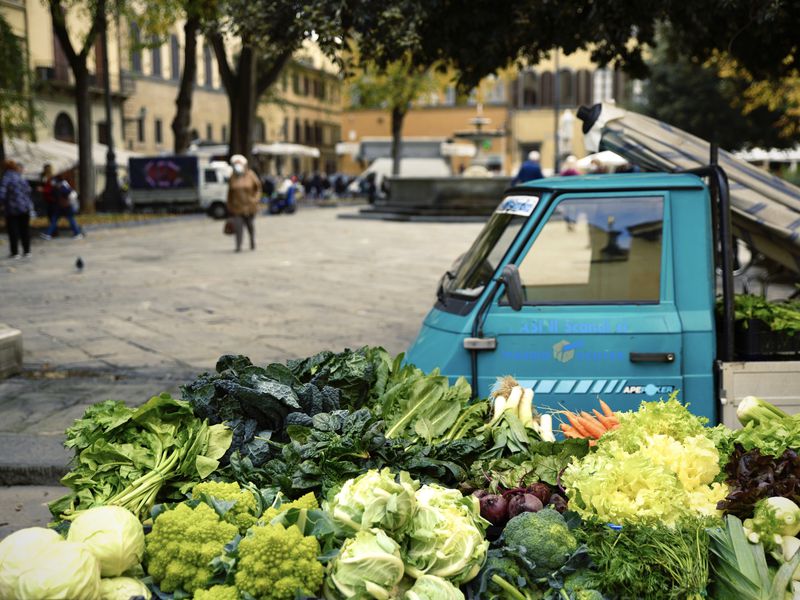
(605, 286)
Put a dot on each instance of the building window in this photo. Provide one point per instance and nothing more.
(208, 72)
(296, 83)
(583, 88)
(308, 133)
(297, 132)
(306, 85)
(285, 129)
(155, 67)
(209, 132)
(136, 51)
(603, 89)
(175, 57)
(224, 133)
(284, 81)
(530, 89)
(158, 131)
(566, 88)
(140, 130)
(259, 130)
(547, 89)
(102, 132)
(450, 95)
(64, 129)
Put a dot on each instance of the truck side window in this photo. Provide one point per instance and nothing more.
(596, 250)
(210, 176)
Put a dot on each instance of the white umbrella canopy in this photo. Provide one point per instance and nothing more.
(63, 156)
(33, 156)
(286, 149)
(606, 158)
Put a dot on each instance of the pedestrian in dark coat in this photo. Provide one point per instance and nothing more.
(15, 198)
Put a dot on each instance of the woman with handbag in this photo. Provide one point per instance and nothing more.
(66, 200)
(244, 195)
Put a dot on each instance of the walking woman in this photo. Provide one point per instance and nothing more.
(15, 198)
(244, 195)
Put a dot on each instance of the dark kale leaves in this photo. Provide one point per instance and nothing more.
(257, 403)
(357, 374)
(752, 476)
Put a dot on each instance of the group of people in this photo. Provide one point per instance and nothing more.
(530, 169)
(17, 205)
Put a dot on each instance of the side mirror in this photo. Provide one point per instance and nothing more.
(510, 278)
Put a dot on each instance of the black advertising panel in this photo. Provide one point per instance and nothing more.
(163, 172)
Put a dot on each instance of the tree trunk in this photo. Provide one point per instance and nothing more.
(83, 108)
(244, 87)
(243, 104)
(181, 124)
(398, 115)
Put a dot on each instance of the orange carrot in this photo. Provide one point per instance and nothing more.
(577, 423)
(606, 409)
(608, 423)
(592, 425)
(571, 433)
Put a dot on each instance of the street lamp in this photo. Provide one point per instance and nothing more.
(112, 199)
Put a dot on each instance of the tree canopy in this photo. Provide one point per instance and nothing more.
(485, 35)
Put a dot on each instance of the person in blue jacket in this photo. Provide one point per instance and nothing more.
(529, 170)
(15, 198)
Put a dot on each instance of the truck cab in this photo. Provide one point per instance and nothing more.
(617, 283)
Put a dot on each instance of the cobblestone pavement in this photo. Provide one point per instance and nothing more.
(156, 305)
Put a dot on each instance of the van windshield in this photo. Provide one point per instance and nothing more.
(477, 267)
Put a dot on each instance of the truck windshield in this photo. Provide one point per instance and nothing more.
(477, 267)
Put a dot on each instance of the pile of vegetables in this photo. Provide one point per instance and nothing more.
(356, 475)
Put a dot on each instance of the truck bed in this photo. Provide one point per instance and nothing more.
(777, 382)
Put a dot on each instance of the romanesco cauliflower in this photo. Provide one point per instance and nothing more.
(243, 514)
(275, 562)
(183, 543)
(308, 501)
(217, 592)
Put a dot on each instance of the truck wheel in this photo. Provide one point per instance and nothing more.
(217, 211)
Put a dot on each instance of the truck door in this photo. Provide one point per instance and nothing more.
(599, 317)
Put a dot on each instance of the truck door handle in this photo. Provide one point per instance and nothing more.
(475, 343)
(660, 357)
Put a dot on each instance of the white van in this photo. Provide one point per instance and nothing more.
(409, 167)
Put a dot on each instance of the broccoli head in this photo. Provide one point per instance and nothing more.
(217, 592)
(580, 586)
(276, 562)
(545, 537)
(244, 511)
(182, 544)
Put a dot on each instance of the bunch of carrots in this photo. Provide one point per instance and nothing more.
(584, 425)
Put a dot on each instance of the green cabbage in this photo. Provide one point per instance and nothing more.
(374, 499)
(19, 551)
(446, 536)
(113, 534)
(67, 572)
(122, 588)
(368, 566)
(431, 587)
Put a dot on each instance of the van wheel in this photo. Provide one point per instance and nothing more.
(217, 210)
